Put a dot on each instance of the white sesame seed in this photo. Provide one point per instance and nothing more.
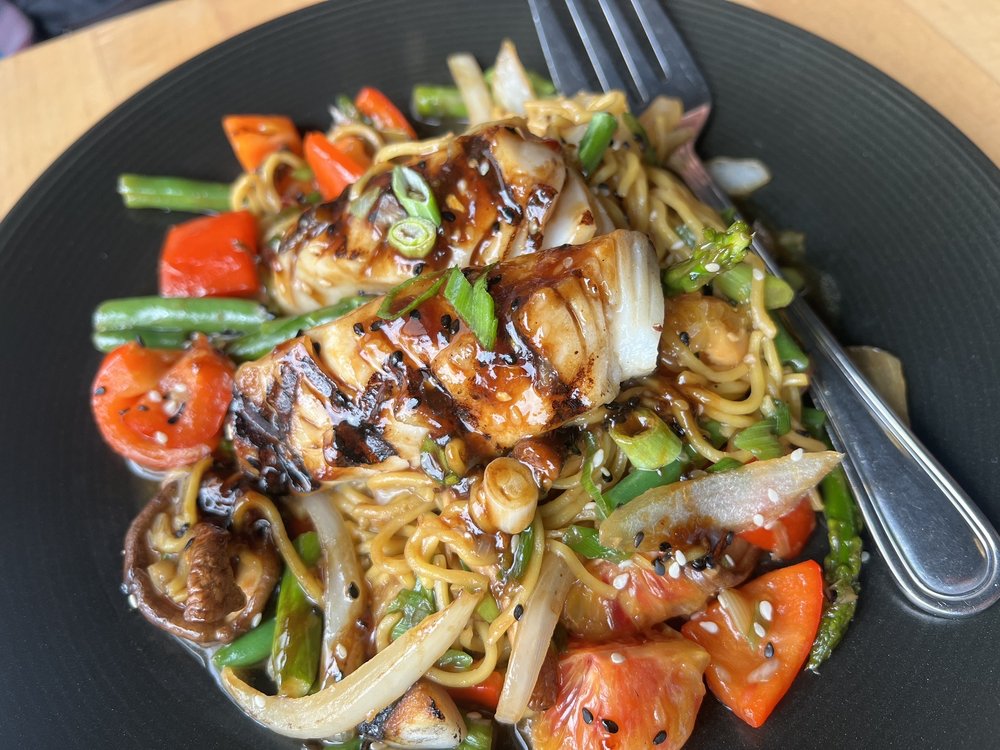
(599, 457)
(728, 560)
(621, 581)
(773, 495)
(132, 601)
(591, 506)
(256, 620)
(160, 437)
(758, 275)
(759, 629)
(680, 557)
(474, 715)
(677, 245)
(340, 651)
(865, 557)
(764, 672)
(766, 610)
(179, 388)
(154, 396)
(758, 520)
(712, 267)
(797, 454)
(709, 627)
(484, 167)
(258, 701)
(624, 564)
(674, 570)
(617, 658)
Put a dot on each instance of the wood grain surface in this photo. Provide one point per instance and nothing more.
(947, 51)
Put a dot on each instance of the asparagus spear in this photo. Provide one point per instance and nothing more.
(719, 252)
(298, 630)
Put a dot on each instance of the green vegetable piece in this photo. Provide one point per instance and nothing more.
(473, 304)
(180, 315)
(760, 440)
(438, 103)
(106, 341)
(596, 140)
(789, 352)
(249, 649)
(634, 484)
(713, 430)
(583, 541)
(782, 418)
(719, 252)
(434, 283)
(726, 464)
(640, 136)
(345, 105)
(488, 608)
(647, 440)
(542, 86)
(587, 477)
(687, 236)
(273, 332)
(479, 735)
(735, 284)
(413, 237)
(415, 604)
(522, 554)
(455, 660)
(173, 194)
(814, 420)
(414, 194)
(352, 744)
(298, 629)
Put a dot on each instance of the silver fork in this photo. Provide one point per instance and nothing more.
(942, 552)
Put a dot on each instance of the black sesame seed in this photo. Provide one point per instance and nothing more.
(100, 390)
(300, 332)
(142, 407)
(729, 538)
(422, 164)
(175, 417)
(181, 531)
(396, 358)
(123, 412)
(610, 725)
(769, 650)
(509, 359)
(699, 563)
(588, 717)
(418, 269)
(639, 536)
(658, 567)
(660, 737)
(606, 475)
(376, 326)
(518, 611)
(664, 546)
(139, 341)
(685, 338)
(316, 346)
(455, 325)
(493, 281)
(448, 216)
(516, 303)
(359, 329)
(353, 591)
(446, 321)
(415, 314)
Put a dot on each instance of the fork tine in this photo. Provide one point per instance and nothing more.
(559, 51)
(600, 55)
(672, 52)
(648, 81)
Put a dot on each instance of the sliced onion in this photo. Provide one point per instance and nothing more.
(885, 372)
(376, 684)
(738, 500)
(533, 638)
(738, 177)
(511, 85)
(342, 636)
(471, 84)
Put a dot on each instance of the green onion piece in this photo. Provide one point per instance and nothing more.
(413, 237)
(352, 744)
(314, 198)
(479, 735)
(583, 541)
(789, 352)
(782, 418)
(414, 194)
(726, 464)
(641, 137)
(362, 205)
(814, 420)
(647, 440)
(634, 484)
(522, 555)
(543, 87)
(173, 193)
(434, 462)
(596, 140)
(587, 477)
(434, 283)
(415, 604)
(735, 284)
(713, 430)
(345, 104)
(719, 252)
(473, 304)
(298, 630)
(796, 280)
(302, 174)
(456, 660)
(249, 649)
(438, 103)
(760, 440)
(728, 215)
(488, 608)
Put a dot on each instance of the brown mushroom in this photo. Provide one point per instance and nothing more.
(230, 575)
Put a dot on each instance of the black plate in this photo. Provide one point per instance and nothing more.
(900, 209)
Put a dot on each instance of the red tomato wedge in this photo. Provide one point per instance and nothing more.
(750, 673)
(162, 409)
(377, 107)
(334, 168)
(215, 256)
(632, 694)
(788, 535)
(484, 695)
(255, 137)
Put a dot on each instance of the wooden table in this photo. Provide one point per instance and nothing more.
(947, 51)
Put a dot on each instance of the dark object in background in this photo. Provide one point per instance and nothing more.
(55, 17)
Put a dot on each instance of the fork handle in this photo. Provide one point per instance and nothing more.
(941, 550)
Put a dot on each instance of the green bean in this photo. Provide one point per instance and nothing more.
(180, 315)
(109, 340)
(298, 629)
(438, 103)
(249, 649)
(273, 332)
(634, 484)
(596, 140)
(173, 193)
(789, 352)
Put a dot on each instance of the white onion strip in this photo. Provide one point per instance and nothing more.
(511, 85)
(376, 684)
(533, 638)
(471, 84)
(341, 611)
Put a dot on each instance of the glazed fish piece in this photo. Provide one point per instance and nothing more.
(498, 189)
(362, 394)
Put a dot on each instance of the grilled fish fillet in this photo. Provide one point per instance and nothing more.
(502, 192)
(362, 394)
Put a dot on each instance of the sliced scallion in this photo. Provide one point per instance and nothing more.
(414, 194)
(735, 284)
(413, 237)
(587, 477)
(596, 140)
(473, 304)
(640, 135)
(434, 284)
(647, 440)
(456, 660)
(583, 541)
(782, 418)
(789, 352)
(760, 440)
(726, 464)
